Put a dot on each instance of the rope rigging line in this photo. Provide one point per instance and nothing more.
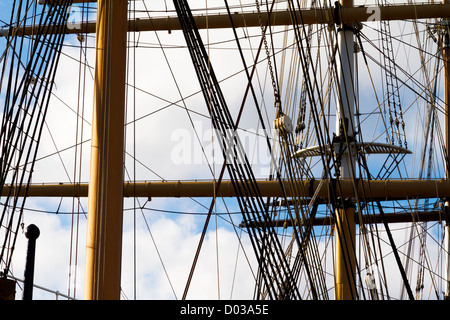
(364, 167)
(265, 241)
(335, 202)
(291, 263)
(307, 212)
(295, 234)
(392, 87)
(221, 174)
(313, 90)
(26, 104)
(277, 104)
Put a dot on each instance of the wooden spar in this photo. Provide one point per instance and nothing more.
(105, 207)
(423, 216)
(371, 190)
(278, 18)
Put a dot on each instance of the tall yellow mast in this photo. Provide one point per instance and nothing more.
(345, 229)
(104, 233)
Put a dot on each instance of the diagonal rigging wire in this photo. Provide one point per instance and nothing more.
(301, 246)
(265, 242)
(392, 87)
(334, 185)
(367, 196)
(307, 256)
(221, 173)
(213, 201)
(276, 94)
(312, 89)
(26, 102)
(431, 99)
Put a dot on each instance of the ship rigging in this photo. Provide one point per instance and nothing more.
(313, 156)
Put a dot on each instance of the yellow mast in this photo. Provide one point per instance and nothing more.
(104, 231)
(345, 228)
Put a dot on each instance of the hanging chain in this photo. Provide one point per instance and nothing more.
(266, 47)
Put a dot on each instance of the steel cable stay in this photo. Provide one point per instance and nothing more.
(23, 119)
(305, 53)
(364, 221)
(354, 125)
(237, 163)
(220, 177)
(357, 201)
(423, 87)
(430, 100)
(330, 63)
(305, 246)
(295, 235)
(276, 92)
(409, 290)
(260, 291)
(395, 160)
(290, 263)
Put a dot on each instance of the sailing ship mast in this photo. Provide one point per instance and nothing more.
(345, 231)
(106, 185)
(105, 200)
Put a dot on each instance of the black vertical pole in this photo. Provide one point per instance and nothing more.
(32, 233)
